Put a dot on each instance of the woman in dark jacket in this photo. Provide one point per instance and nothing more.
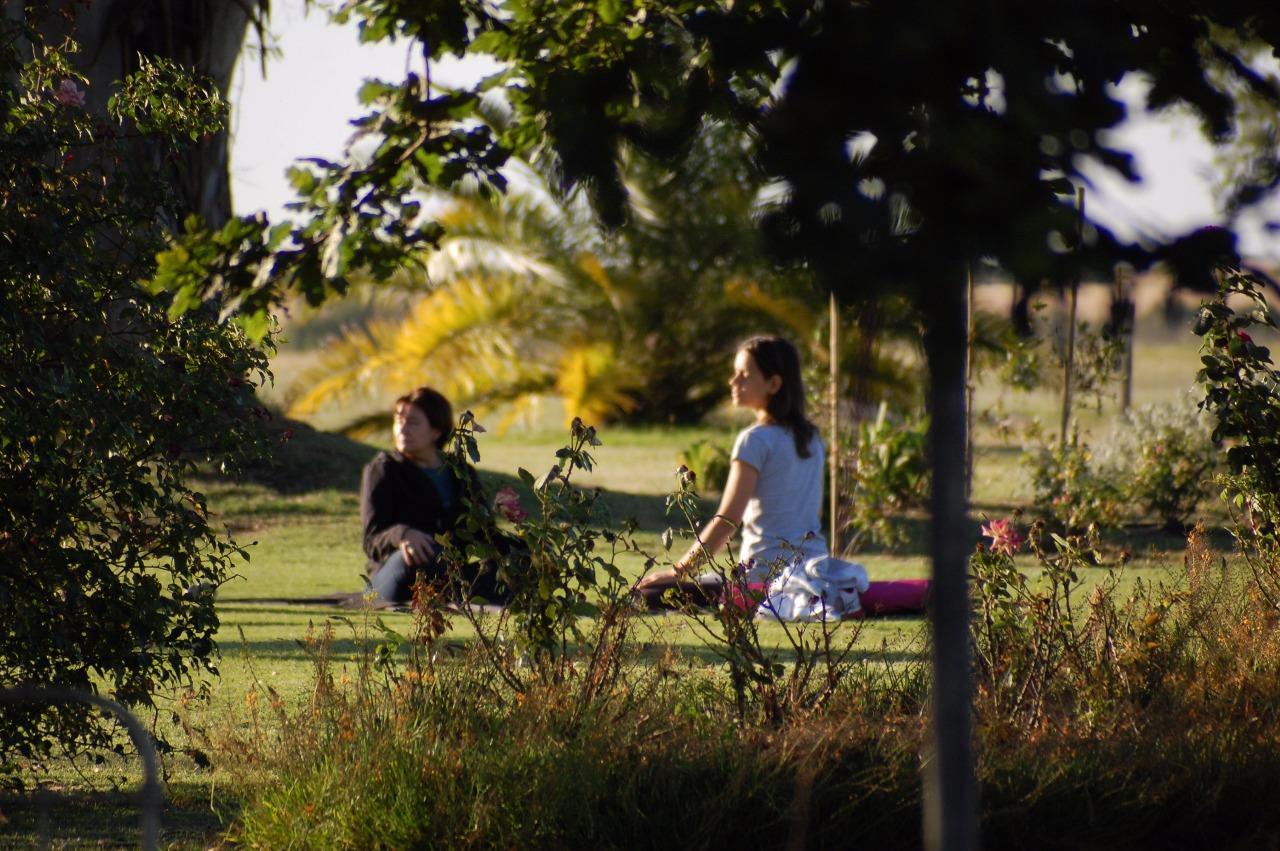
(410, 498)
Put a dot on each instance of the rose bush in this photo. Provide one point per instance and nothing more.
(111, 399)
(1242, 394)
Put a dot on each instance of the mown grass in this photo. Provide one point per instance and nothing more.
(301, 518)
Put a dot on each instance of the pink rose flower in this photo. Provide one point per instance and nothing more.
(1244, 336)
(1004, 538)
(507, 503)
(68, 94)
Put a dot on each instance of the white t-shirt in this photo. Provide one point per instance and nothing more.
(783, 519)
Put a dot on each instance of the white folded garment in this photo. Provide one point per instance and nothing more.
(815, 589)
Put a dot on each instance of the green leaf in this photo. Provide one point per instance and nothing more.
(255, 325)
(494, 42)
(610, 11)
(583, 609)
(373, 89)
(184, 300)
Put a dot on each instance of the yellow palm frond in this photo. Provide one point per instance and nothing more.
(798, 316)
(590, 266)
(460, 339)
(345, 371)
(594, 383)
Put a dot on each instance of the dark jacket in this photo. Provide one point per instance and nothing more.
(396, 496)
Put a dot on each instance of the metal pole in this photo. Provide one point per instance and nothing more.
(150, 797)
(1069, 369)
(833, 456)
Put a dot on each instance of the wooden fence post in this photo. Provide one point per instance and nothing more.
(1069, 370)
(1123, 300)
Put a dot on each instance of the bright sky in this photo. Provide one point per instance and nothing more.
(302, 107)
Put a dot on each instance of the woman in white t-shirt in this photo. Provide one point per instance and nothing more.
(774, 490)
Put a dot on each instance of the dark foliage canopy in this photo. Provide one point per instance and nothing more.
(909, 138)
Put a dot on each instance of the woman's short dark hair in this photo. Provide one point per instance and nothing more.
(776, 356)
(437, 409)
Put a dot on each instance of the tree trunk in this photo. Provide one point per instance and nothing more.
(204, 36)
(969, 335)
(951, 800)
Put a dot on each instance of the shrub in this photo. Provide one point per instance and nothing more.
(447, 756)
(560, 566)
(1039, 360)
(1167, 656)
(709, 461)
(762, 684)
(1242, 392)
(110, 558)
(1163, 459)
(571, 612)
(890, 475)
(1157, 460)
(1024, 633)
(1103, 720)
(1069, 486)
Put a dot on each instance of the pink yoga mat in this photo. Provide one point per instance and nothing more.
(895, 597)
(889, 597)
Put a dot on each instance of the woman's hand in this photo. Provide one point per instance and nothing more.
(418, 547)
(662, 574)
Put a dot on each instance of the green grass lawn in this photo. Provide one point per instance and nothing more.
(300, 522)
(307, 539)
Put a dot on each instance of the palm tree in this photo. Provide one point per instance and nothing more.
(527, 300)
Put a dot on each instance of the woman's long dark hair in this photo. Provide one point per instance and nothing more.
(776, 356)
(437, 409)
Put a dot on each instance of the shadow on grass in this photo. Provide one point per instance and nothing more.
(705, 655)
(290, 649)
(315, 460)
(310, 460)
(916, 530)
(1139, 539)
(109, 819)
(346, 646)
(346, 650)
(648, 510)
